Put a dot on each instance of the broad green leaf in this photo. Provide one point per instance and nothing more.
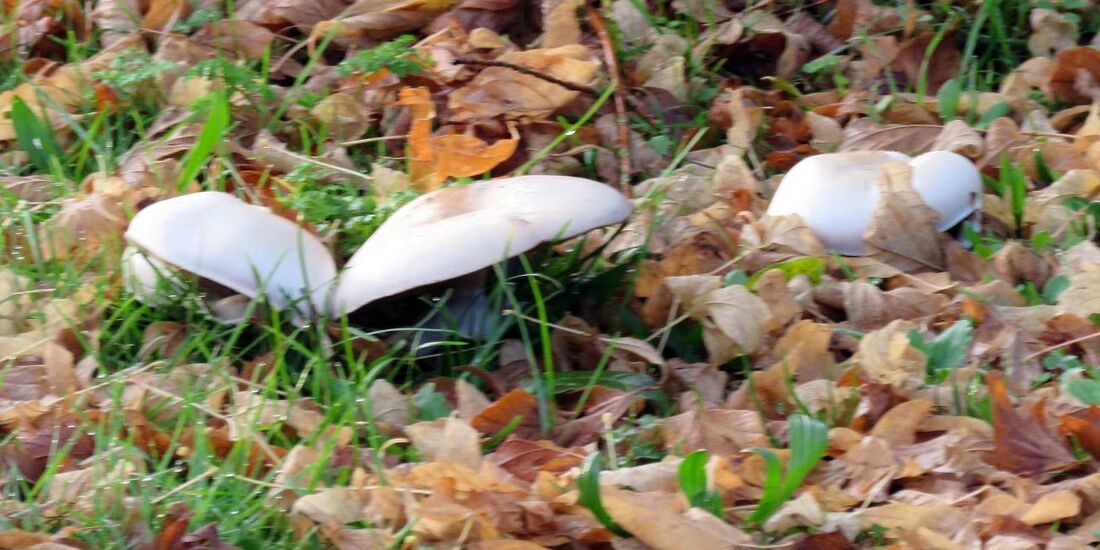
(34, 136)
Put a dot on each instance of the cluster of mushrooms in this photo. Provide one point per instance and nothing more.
(254, 252)
(437, 237)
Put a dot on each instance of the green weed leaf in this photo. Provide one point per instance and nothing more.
(217, 122)
(809, 438)
(945, 352)
(693, 482)
(589, 486)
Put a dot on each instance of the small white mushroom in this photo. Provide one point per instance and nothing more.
(836, 193)
(458, 230)
(243, 247)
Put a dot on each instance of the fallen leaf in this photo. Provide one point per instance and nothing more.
(497, 91)
(447, 439)
(436, 158)
(658, 520)
(1022, 443)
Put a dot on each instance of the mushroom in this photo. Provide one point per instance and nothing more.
(836, 193)
(243, 247)
(458, 230)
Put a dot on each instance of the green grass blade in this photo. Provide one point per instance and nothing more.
(217, 122)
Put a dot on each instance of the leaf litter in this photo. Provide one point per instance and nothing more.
(939, 392)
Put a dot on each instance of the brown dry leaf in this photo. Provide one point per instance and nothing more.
(387, 404)
(302, 14)
(343, 114)
(804, 349)
(908, 139)
(958, 137)
(497, 91)
(886, 357)
(116, 19)
(733, 317)
(1033, 74)
(436, 158)
(84, 226)
(899, 425)
(719, 431)
(772, 288)
(1082, 297)
(252, 411)
(1051, 32)
(1076, 74)
(561, 27)
(525, 459)
(249, 40)
(1052, 507)
(34, 368)
(1022, 443)
(503, 412)
(902, 232)
(366, 21)
(869, 307)
(162, 13)
(660, 521)
(448, 439)
(339, 504)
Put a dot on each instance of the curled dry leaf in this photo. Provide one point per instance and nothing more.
(886, 356)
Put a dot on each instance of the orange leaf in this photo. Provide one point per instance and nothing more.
(502, 411)
(1085, 426)
(433, 159)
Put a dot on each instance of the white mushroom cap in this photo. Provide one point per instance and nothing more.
(143, 275)
(246, 248)
(836, 193)
(454, 231)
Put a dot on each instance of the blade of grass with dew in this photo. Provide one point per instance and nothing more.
(34, 136)
(217, 122)
(588, 484)
(809, 438)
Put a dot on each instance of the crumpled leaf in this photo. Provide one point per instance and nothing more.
(447, 439)
(436, 158)
(733, 317)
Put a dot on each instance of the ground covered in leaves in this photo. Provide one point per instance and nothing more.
(703, 377)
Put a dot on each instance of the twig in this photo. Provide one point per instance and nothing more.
(530, 72)
(1065, 344)
(598, 25)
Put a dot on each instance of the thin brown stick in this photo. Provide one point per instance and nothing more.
(598, 25)
(531, 72)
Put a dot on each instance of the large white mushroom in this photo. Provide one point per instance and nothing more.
(243, 247)
(836, 193)
(454, 231)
